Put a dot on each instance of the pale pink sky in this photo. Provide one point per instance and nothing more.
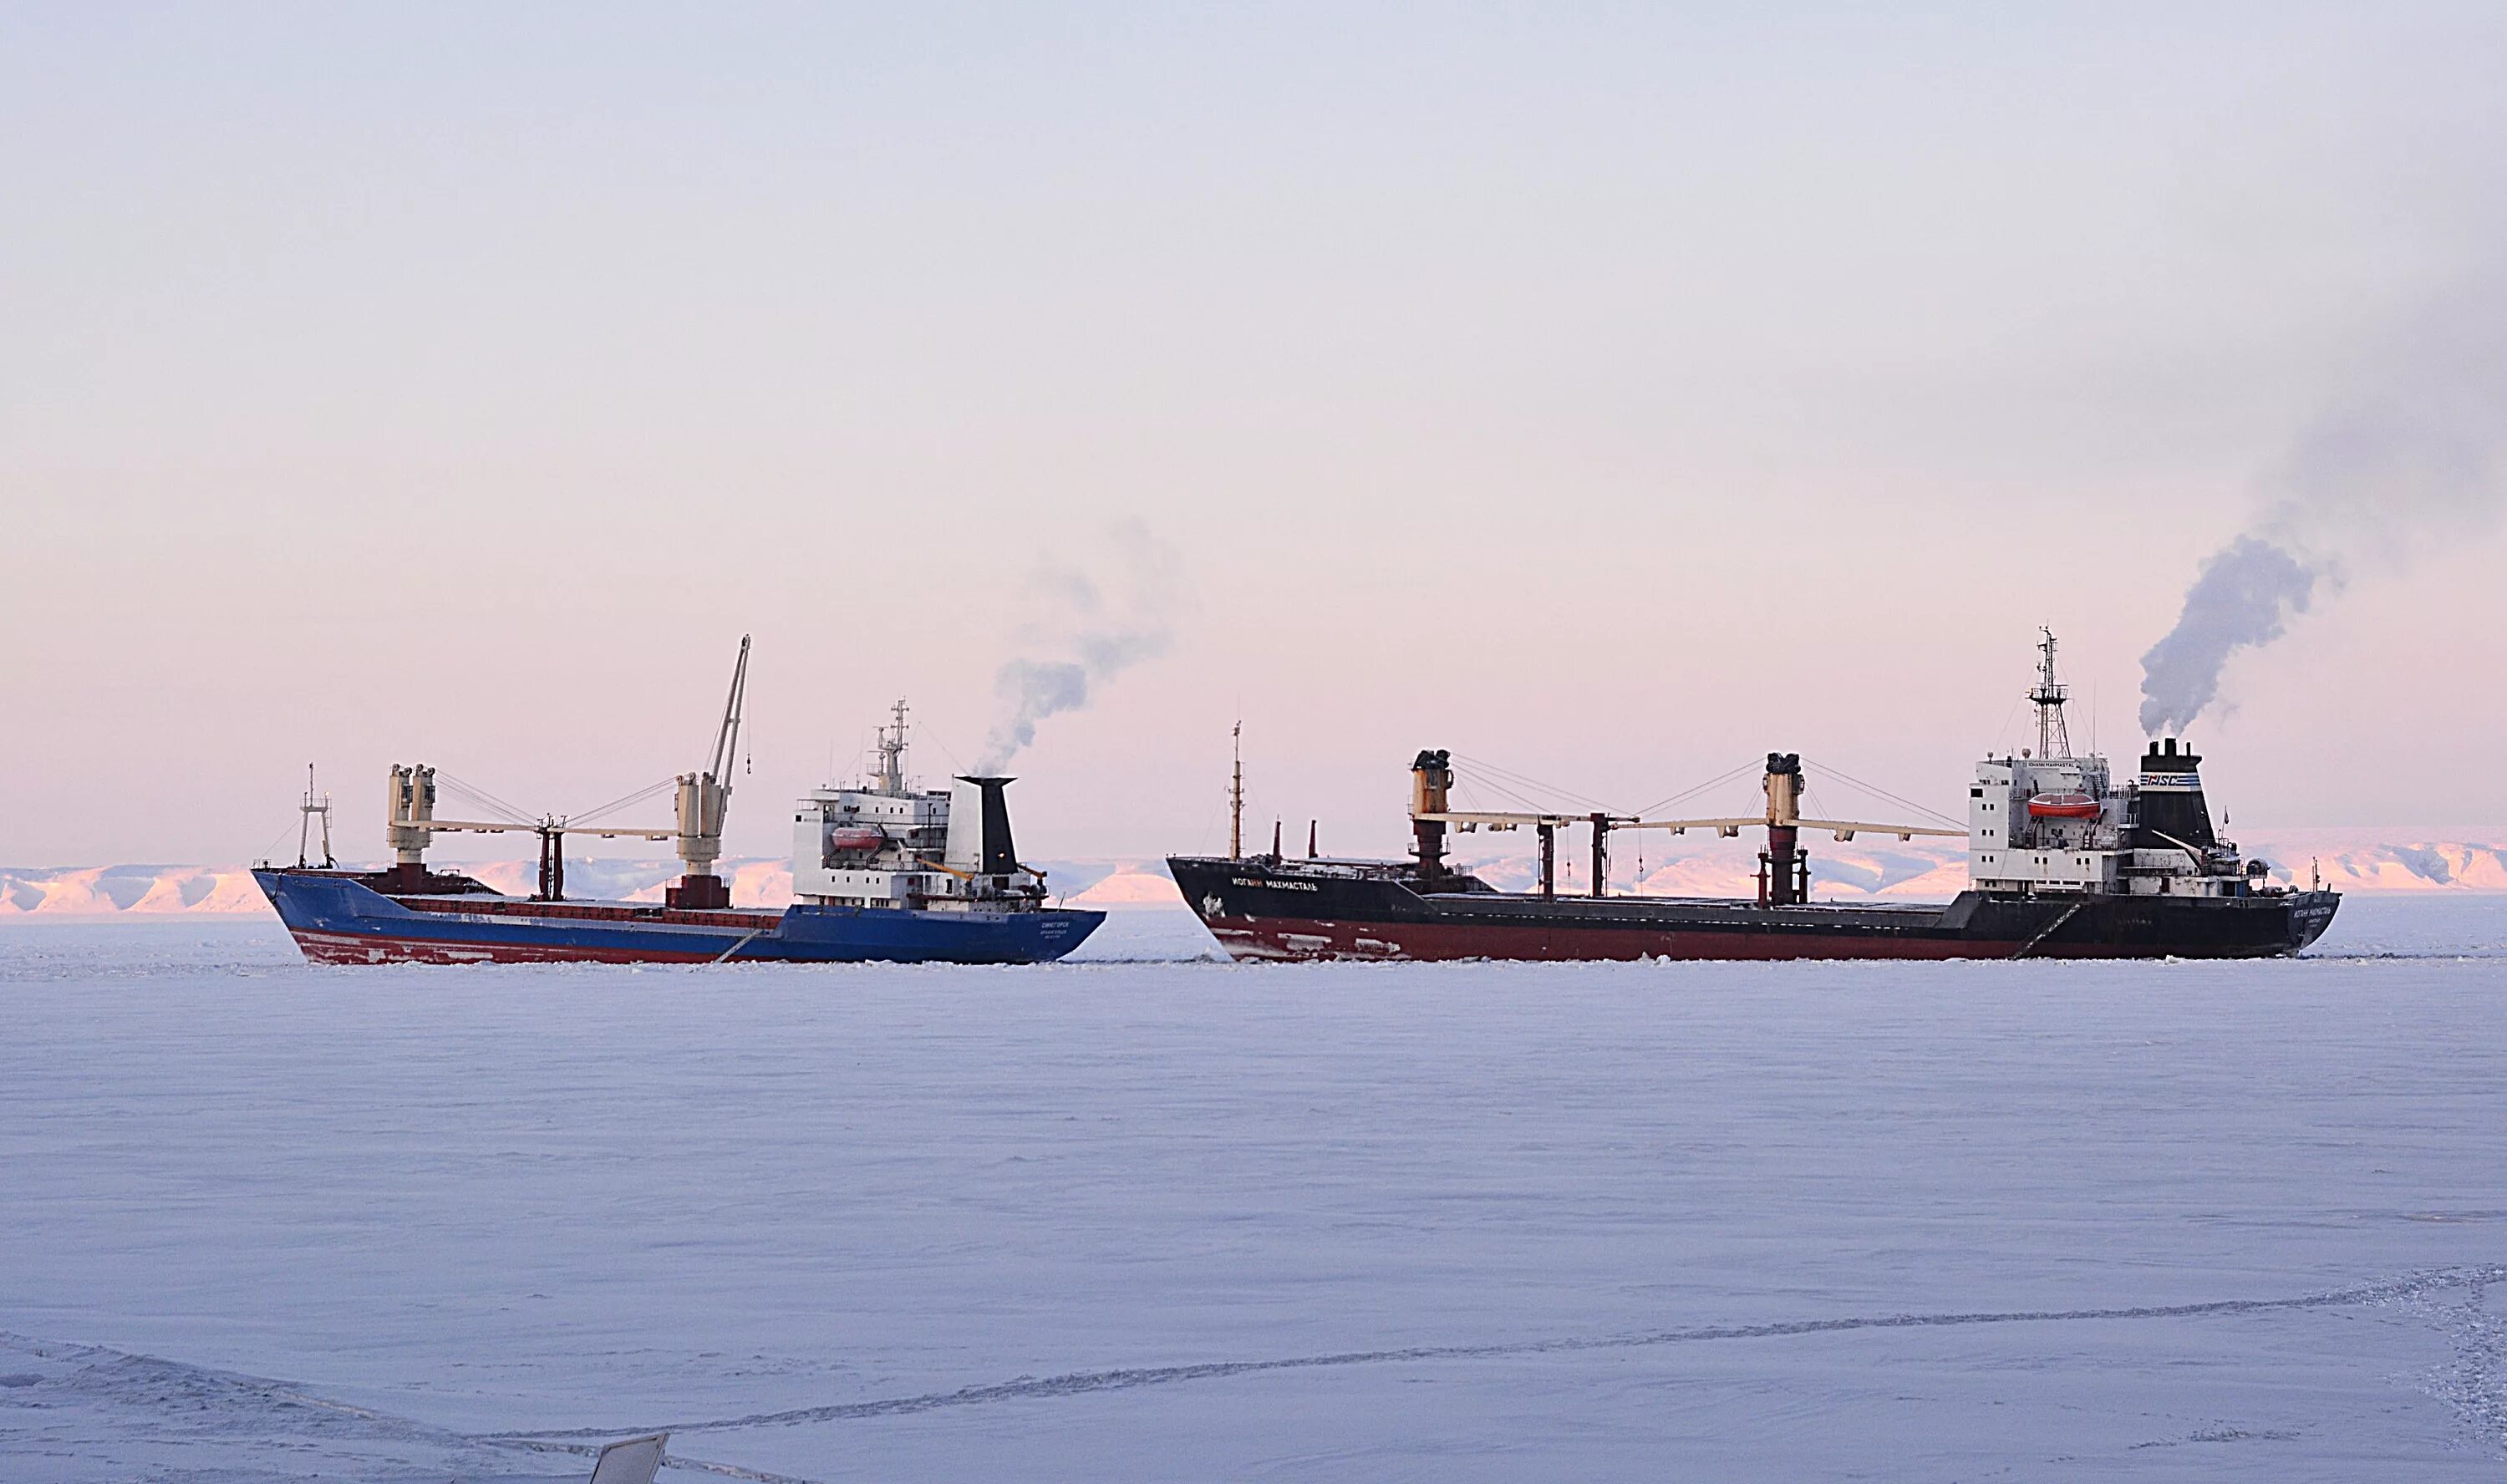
(1614, 395)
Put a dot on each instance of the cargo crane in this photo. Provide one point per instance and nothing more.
(1784, 867)
(702, 798)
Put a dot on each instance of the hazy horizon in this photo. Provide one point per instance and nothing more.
(1612, 396)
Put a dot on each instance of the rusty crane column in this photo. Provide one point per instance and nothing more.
(1431, 774)
(1784, 871)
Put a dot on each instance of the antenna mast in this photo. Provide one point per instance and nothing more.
(1236, 797)
(2053, 739)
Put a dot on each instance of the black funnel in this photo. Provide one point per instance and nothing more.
(2170, 807)
(1000, 855)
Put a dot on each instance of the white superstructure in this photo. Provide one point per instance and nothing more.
(2049, 821)
(886, 844)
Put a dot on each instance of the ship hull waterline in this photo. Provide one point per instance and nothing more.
(1262, 913)
(337, 918)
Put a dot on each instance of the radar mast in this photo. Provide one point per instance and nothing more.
(2052, 740)
(891, 753)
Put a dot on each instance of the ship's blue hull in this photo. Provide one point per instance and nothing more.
(338, 919)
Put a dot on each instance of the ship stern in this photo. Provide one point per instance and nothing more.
(2310, 912)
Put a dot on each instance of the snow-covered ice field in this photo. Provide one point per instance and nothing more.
(1185, 1221)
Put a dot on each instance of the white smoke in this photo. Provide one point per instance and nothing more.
(2370, 486)
(1084, 627)
(2246, 594)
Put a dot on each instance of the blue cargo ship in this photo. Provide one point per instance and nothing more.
(881, 872)
(346, 917)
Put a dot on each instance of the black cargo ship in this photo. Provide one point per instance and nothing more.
(2062, 864)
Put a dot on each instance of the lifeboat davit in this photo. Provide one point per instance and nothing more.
(2062, 805)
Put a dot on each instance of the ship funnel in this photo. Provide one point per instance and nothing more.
(2165, 756)
(979, 826)
(2168, 809)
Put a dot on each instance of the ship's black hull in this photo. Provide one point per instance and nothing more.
(1264, 909)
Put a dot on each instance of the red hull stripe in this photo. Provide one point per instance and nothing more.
(369, 948)
(588, 911)
(1277, 938)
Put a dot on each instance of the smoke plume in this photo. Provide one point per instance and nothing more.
(2369, 487)
(2246, 594)
(1086, 627)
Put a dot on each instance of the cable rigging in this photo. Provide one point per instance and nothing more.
(1843, 777)
(478, 795)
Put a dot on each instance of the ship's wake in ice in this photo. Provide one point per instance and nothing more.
(2481, 1351)
(53, 1388)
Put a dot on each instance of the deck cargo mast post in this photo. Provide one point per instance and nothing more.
(1548, 858)
(1431, 774)
(552, 833)
(703, 798)
(1784, 871)
(1236, 796)
(1601, 851)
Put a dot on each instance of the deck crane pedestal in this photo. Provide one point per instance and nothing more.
(703, 798)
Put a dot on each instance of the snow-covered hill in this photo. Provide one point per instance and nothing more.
(1863, 869)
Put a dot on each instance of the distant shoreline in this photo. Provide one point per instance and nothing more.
(2359, 860)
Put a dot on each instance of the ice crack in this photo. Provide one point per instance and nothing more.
(2416, 1286)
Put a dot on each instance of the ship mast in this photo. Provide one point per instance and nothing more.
(891, 753)
(305, 827)
(2052, 740)
(1236, 797)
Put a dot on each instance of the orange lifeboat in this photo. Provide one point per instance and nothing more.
(850, 839)
(2062, 805)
